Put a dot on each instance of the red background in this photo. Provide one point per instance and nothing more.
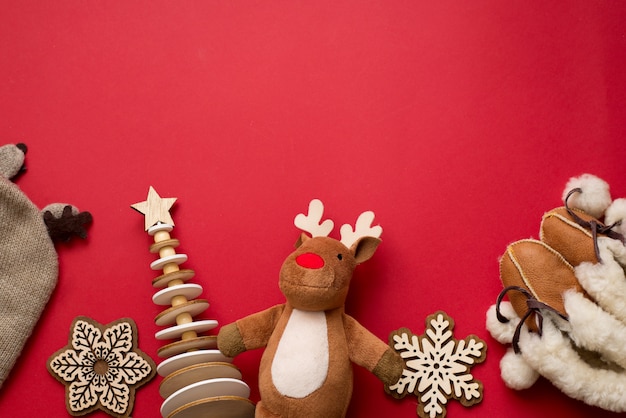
(458, 123)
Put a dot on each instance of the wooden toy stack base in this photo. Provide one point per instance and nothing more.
(198, 380)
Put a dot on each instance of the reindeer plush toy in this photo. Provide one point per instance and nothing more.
(310, 341)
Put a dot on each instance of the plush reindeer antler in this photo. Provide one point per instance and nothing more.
(362, 228)
(311, 222)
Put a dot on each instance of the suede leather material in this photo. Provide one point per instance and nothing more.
(532, 265)
(564, 235)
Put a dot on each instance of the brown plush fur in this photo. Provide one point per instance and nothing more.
(318, 289)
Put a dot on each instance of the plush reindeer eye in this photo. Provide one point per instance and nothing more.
(340, 257)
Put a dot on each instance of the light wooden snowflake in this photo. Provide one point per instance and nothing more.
(437, 366)
(101, 367)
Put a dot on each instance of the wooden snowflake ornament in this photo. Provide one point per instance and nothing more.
(101, 367)
(437, 366)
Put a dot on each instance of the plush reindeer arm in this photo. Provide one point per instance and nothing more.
(230, 341)
(248, 333)
(389, 368)
(369, 351)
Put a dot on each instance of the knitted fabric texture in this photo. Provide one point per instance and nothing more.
(28, 272)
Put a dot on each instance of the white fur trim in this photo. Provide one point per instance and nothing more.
(554, 358)
(605, 282)
(516, 372)
(617, 212)
(594, 329)
(502, 332)
(616, 247)
(595, 196)
(300, 365)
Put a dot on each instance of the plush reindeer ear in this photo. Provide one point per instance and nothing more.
(302, 239)
(364, 248)
(363, 239)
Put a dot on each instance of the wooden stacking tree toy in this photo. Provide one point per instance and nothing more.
(198, 380)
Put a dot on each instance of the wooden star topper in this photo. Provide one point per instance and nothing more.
(156, 209)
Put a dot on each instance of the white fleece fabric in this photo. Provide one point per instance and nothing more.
(594, 329)
(605, 282)
(616, 212)
(553, 356)
(516, 372)
(594, 198)
(502, 332)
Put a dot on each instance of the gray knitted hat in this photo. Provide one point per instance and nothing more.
(28, 259)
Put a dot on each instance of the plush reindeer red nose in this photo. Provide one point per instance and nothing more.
(310, 261)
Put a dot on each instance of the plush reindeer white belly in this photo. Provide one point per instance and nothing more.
(300, 365)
